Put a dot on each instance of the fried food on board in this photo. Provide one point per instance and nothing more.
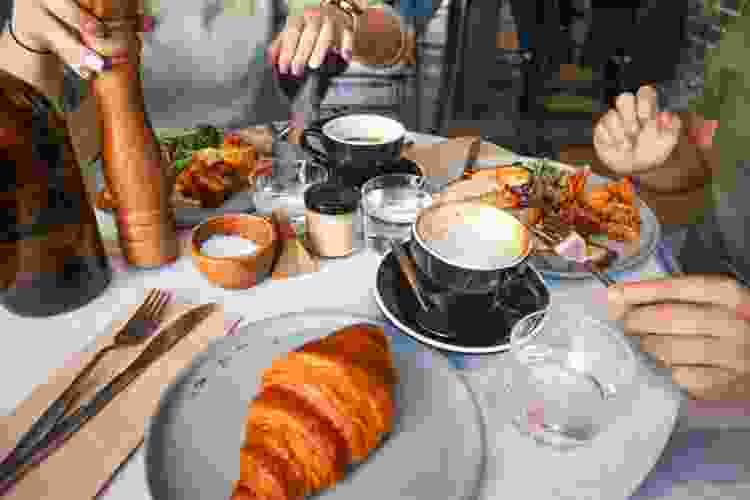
(206, 167)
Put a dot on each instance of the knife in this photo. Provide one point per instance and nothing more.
(162, 343)
(471, 157)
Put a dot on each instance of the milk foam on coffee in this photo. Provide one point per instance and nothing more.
(473, 235)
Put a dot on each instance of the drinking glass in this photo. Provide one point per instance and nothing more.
(569, 379)
(390, 206)
(283, 185)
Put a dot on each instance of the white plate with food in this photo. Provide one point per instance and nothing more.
(210, 171)
(607, 213)
(425, 440)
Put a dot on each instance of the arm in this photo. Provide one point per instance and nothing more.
(43, 71)
(382, 37)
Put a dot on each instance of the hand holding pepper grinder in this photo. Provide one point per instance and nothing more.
(133, 165)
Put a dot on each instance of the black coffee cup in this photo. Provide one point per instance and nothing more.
(356, 145)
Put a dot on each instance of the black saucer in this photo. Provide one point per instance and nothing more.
(356, 177)
(480, 326)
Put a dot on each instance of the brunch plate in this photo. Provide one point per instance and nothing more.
(478, 330)
(192, 441)
(629, 255)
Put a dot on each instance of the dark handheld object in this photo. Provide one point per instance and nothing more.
(306, 92)
(52, 259)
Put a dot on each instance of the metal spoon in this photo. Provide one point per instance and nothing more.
(434, 320)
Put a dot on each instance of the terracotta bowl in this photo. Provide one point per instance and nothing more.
(237, 272)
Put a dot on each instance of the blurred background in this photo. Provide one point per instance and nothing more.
(533, 75)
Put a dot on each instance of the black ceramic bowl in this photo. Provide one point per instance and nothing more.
(357, 141)
(468, 247)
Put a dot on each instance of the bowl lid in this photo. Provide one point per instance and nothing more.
(332, 198)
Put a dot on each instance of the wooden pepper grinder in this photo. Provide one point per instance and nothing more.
(132, 162)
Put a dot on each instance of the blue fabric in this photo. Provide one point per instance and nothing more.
(688, 457)
(416, 8)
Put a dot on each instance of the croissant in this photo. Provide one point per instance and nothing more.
(320, 408)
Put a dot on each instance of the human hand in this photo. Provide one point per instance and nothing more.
(699, 326)
(307, 40)
(635, 137)
(63, 27)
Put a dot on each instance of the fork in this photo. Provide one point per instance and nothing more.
(556, 233)
(138, 328)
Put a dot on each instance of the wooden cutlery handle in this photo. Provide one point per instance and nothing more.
(408, 269)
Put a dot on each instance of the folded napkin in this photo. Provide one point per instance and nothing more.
(445, 161)
(92, 456)
(294, 258)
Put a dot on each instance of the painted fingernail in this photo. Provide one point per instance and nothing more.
(92, 60)
(284, 68)
(347, 55)
(297, 69)
(92, 27)
(148, 23)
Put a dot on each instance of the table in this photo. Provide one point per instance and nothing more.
(33, 347)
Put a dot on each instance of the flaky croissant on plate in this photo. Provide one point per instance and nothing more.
(321, 408)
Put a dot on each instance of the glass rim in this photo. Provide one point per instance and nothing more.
(520, 338)
(420, 178)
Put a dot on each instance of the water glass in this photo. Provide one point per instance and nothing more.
(283, 185)
(570, 378)
(390, 206)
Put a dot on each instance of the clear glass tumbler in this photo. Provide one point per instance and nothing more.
(283, 185)
(570, 379)
(390, 206)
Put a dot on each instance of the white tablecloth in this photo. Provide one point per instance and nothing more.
(33, 347)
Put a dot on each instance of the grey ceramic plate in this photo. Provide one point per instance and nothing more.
(241, 202)
(557, 267)
(437, 449)
(650, 234)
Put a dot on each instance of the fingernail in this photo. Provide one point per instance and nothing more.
(667, 120)
(297, 69)
(115, 60)
(92, 60)
(148, 23)
(284, 68)
(347, 54)
(92, 26)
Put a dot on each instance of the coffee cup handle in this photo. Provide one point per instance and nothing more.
(320, 156)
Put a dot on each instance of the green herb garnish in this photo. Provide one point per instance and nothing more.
(180, 164)
(542, 169)
(202, 137)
